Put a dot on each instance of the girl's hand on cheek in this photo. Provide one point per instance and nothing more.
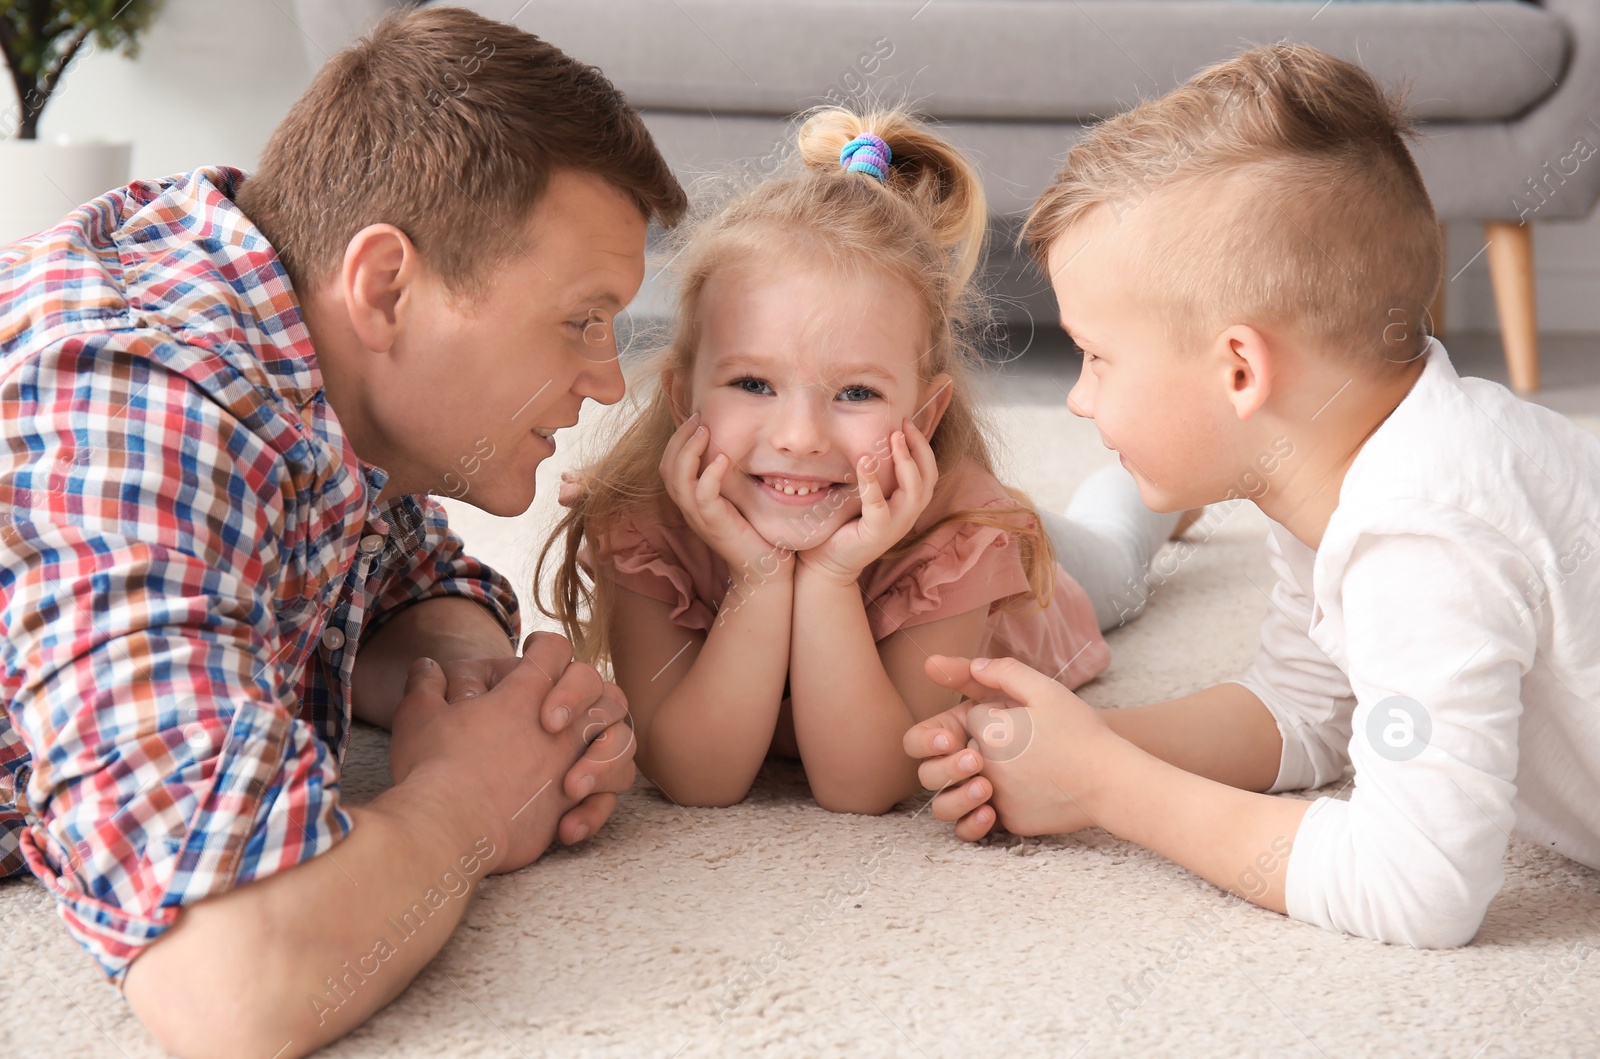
(882, 522)
(709, 514)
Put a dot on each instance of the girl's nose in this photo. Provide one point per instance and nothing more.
(799, 427)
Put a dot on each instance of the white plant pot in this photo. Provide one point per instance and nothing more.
(42, 181)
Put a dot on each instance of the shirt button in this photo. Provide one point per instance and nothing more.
(372, 542)
(332, 638)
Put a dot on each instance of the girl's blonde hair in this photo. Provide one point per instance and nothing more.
(924, 225)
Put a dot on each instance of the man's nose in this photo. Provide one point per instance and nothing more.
(601, 379)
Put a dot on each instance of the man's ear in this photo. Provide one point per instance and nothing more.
(380, 264)
(935, 399)
(1247, 362)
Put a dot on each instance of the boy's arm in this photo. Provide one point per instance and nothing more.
(851, 729)
(704, 704)
(1223, 733)
(1063, 768)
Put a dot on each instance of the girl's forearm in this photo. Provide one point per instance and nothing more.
(708, 738)
(850, 732)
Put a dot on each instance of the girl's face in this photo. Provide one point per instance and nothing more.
(798, 374)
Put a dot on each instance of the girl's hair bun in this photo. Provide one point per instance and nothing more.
(923, 168)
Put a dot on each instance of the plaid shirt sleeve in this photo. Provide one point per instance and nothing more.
(437, 566)
(142, 664)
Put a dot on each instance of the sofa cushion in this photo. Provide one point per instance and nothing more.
(1038, 59)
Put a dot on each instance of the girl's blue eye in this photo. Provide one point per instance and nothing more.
(858, 393)
(752, 385)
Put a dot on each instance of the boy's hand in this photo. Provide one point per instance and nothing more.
(882, 522)
(1037, 744)
(709, 514)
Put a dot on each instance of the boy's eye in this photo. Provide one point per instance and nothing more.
(858, 393)
(752, 385)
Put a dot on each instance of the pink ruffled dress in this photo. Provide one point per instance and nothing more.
(959, 567)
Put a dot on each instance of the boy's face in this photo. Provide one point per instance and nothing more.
(1162, 409)
(472, 387)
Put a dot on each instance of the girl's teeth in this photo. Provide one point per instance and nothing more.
(792, 490)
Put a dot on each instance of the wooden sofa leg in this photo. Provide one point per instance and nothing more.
(1511, 273)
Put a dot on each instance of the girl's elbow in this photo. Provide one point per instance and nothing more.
(861, 803)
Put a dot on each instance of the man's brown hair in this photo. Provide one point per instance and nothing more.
(447, 125)
(1285, 195)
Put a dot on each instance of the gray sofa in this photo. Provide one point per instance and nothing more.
(1507, 90)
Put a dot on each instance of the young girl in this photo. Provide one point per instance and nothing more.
(806, 509)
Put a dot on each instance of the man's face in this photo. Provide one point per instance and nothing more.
(1162, 409)
(475, 387)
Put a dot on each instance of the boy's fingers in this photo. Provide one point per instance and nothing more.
(953, 804)
(955, 673)
(1022, 683)
(939, 734)
(937, 773)
(976, 824)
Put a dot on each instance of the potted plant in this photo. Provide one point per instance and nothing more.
(41, 41)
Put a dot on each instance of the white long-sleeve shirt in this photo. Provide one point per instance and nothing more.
(1460, 571)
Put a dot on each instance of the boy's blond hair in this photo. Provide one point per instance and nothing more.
(1281, 193)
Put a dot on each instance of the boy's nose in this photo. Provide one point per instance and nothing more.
(1080, 399)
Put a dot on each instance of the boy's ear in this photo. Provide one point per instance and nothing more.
(935, 399)
(1248, 363)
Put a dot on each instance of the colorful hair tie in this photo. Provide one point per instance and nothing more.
(867, 154)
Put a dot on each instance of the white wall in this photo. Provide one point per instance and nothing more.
(212, 79)
(214, 76)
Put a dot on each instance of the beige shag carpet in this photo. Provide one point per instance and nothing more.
(777, 928)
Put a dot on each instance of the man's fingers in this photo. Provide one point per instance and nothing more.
(572, 696)
(548, 652)
(606, 765)
(585, 818)
(466, 679)
(939, 734)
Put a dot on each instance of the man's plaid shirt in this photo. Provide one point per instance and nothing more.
(189, 555)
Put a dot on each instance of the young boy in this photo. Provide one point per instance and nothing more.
(1244, 263)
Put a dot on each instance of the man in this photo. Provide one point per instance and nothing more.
(224, 399)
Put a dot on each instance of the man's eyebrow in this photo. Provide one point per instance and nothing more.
(596, 299)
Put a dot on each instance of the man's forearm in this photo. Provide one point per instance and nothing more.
(1223, 733)
(444, 629)
(288, 963)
